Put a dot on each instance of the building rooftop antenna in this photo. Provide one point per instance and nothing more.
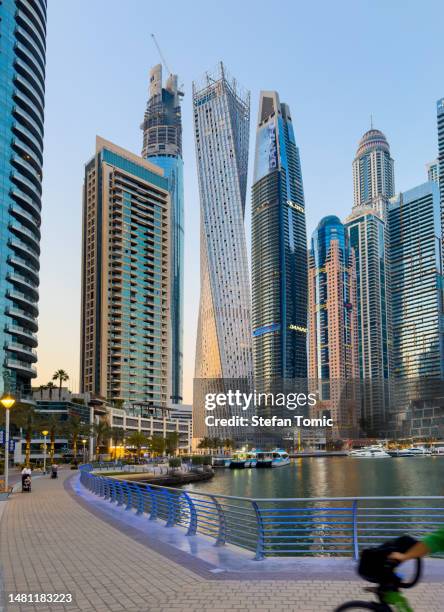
(371, 122)
(161, 54)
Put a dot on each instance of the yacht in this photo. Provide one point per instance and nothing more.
(412, 451)
(375, 451)
(264, 459)
(279, 458)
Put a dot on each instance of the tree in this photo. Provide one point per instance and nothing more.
(157, 445)
(138, 439)
(172, 442)
(117, 435)
(62, 377)
(50, 386)
(228, 444)
(102, 432)
(205, 443)
(75, 429)
(25, 417)
(41, 389)
(54, 426)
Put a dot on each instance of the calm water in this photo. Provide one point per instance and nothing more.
(333, 477)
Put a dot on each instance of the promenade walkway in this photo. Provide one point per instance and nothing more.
(52, 543)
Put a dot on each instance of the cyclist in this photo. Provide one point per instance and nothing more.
(432, 543)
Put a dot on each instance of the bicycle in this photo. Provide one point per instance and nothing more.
(375, 566)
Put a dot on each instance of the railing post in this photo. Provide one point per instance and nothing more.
(192, 527)
(153, 513)
(129, 495)
(222, 533)
(139, 499)
(260, 544)
(355, 530)
(119, 492)
(171, 509)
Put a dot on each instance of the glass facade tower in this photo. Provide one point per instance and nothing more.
(162, 145)
(279, 251)
(333, 331)
(221, 126)
(440, 119)
(414, 227)
(22, 84)
(125, 330)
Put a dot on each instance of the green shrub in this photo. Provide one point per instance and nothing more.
(197, 460)
(207, 460)
(174, 462)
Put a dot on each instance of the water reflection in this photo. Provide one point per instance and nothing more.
(333, 477)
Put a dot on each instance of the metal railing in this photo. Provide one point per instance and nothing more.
(275, 527)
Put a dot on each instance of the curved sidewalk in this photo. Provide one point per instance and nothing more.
(51, 543)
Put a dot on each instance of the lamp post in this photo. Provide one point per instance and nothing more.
(84, 441)
(7, 401)
(45, 432)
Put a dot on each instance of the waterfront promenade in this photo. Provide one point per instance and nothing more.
(53, 541)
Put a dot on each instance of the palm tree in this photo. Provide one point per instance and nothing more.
(50, 386)
(138, 439)
(75, 429)
(54, 425)
(157, 445)
(41, 389)
(117, 435)
(62, 377)
(172, 442)
(26, 418)
(102, 432)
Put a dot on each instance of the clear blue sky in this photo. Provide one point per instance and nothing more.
(334, 63)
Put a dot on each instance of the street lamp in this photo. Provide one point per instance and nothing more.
(45, 432)
(84, 441)
(7, 401)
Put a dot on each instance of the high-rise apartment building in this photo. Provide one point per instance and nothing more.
(22, 80)
(333, 365)
(125, 330)
(279, 252)
(221, 130)
(433, 171)
(367, 235)
(373, 170)
(162, 145)
(440, 120)
(414, 227)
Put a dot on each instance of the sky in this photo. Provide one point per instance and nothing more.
(335, 64)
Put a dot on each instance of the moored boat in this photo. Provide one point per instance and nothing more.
(279, 458)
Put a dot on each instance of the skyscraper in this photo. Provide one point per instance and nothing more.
(22, 78)
(221, 126)
(433, 171)
(440, 120)
(333, 325)
(373, 170)
(279, 252)
(125, 331)
(417, 282)
(162, 145)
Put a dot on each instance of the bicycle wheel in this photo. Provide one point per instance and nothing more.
(363, 605)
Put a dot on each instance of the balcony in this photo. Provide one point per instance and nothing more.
(23, 367)
(23, 334)
(29, 354)
(23, 300)
(22, 317)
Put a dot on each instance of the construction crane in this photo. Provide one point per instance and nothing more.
(161, 54)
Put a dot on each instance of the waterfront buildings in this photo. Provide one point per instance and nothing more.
(373, 170)
(221, 129)
(279, 254)
(22, 80)
(333, 326)
(414, 227)
(125, 335)
(440, 121)
(433, 171)
(162, 145)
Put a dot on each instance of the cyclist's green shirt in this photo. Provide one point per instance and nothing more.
(435, 541)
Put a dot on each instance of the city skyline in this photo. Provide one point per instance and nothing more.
(334, 196)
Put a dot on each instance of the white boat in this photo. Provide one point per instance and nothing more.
(375, 451)
(264, 459)
(238, 460)
(279, 458)
(413, 451)
(251, 459)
